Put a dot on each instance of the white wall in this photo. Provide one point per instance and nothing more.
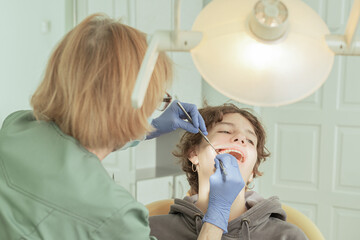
(29, 31)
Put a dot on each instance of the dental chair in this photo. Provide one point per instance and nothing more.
(294, 216)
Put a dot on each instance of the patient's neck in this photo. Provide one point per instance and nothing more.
(237, 208)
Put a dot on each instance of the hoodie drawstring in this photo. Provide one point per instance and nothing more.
(245, 229)
(198, 224)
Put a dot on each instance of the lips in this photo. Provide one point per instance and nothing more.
(239, 155)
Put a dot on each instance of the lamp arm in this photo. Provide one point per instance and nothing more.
(177, 20)
(161, 41)
(352, 23)
(180, 41)
(145, 72)
(347, 44)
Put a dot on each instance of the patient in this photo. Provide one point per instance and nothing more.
(238, 132)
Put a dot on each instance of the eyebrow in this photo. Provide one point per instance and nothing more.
(233, 125)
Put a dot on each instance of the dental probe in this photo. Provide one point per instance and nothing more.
(203, 135)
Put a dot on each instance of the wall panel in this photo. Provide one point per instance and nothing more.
(347, 159)
(350, 85)
(345, 223)
(297, 158)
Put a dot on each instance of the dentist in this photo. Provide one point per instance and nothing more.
(52, 183)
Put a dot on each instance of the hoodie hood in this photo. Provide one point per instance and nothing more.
(259, 212)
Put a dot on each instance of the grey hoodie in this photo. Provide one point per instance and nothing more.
(264, 219)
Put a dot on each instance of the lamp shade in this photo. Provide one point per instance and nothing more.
(260, 72)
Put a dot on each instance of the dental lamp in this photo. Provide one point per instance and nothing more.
(262, 53)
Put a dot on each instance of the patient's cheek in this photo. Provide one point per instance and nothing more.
(208, 160)
(210, 152)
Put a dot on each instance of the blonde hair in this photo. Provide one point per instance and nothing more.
(89, 80)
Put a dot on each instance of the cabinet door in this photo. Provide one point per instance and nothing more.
(120, 166)
(148, 191)
(181, 186)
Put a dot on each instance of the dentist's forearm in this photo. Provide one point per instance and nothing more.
(210, 232)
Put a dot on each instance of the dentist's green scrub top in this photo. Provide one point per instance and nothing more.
(52, 188)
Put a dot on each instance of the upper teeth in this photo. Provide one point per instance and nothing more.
(232, 150)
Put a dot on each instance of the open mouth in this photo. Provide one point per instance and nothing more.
(236, 153)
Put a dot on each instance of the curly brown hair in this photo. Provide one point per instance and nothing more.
(213, 115)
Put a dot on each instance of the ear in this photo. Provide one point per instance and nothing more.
(193, 157)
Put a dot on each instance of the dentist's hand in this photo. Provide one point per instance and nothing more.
(223, 191)
(173, 118)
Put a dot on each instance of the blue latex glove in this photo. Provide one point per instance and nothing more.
(174, 118)
(223, 191)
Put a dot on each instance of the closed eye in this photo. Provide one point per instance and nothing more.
(227, 132)
(250, 141)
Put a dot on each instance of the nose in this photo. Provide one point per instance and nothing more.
(240, 139)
